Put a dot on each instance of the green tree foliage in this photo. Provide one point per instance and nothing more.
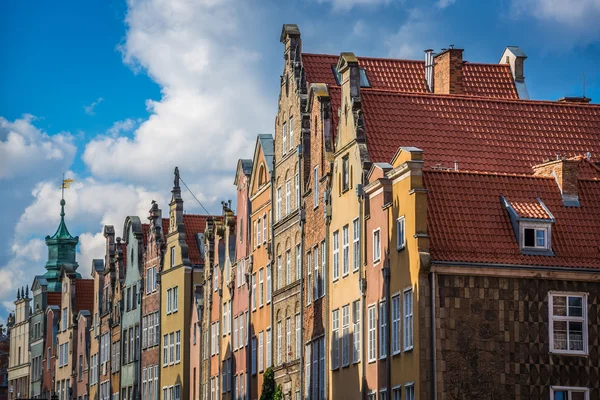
(268, 389)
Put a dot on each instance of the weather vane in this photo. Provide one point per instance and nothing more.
(66, 183)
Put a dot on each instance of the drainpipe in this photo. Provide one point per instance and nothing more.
(248, 278)
(432, 283)
(363, 250)
(300, 217)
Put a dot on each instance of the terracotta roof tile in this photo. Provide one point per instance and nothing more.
(488, 80)
(194, 224)
(84, 295)
(481, 134)
(467, 221)
(529, 209)
(54, 299)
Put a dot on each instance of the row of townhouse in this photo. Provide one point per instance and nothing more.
(411, 230)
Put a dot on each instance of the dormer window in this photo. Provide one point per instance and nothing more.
(532, 223)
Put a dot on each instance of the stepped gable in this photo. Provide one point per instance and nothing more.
(467, 221)
(509, 136)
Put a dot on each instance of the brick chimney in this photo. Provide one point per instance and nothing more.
(448, 73)
(565, 172)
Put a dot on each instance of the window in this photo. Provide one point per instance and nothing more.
(396, 393)
(235, 333)
(269, 349)
(171, 348)
(291, 127)
(261, 352)
(346, 251)
(400, 234)
(254, 355)
(383, 394)
(568, 323)
(568, 393)
(345, 336)
(356, 244)
(297, 183)
(278, 204)
(409, 391)
(323, 268)
(298, 263)
(172, 256)
(316, 187)
(309, 283)
(269, 286)
(258, 233)
(372, 333)
(316, 277)
(265, 228)
(134, 297)
(254, 291)
(396, 324)
(336, 255)
(535, 238)
(408, 319)
(288, 266)
(307, 370)
(144, 332)
(216, 279)
(165, 349)
(169, 301)
(175, 298)
(382, 329)
(279, 273)
(261, 287)
(345, 174)
(64, 319)
(335, 336)
(288, 197)
(376, 246)
(243, 339)
(279, 339)
(177, 346)
(284, 130)
(288, 338)
(298, 336)
(356, 331)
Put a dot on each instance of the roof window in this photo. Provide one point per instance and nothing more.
(532, 223)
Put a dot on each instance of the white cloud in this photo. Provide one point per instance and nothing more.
(567, 22)
(29, 153)
(212, 104)
(91, 109)
(126, 125)
(413, 36)
(346, 5)
(444, 3)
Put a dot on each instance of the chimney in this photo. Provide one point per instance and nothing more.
(565, 172)
(447, 72)
(347, 67)
(429, 69)
(290, 37)
(576, 100)
(514, 57)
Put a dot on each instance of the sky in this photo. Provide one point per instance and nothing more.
(116, 94)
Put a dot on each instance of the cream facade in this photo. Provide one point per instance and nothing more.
(18, 360)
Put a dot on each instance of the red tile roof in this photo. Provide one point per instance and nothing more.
(529, 209)
(481, 134)
(467, 221)
(84, 295)
(54, 299)
(489, 80)
(194, 224)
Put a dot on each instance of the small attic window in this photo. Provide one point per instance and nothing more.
(364, 80)
(535, 238)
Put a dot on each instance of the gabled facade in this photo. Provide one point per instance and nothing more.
(18, 360)
(82, 363)
(49, 360)
(37, 325)
(183, 265)
(131, 326)
(94, 350)
(150, 308)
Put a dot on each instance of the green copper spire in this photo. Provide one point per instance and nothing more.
(61, 250)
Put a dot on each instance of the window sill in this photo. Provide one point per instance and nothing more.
(372, 361)
(408, 349)
(570, 353)
(396, 353)
(377, 261)
(401, 248)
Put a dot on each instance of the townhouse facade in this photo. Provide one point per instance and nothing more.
(84, 323)
(18, 360)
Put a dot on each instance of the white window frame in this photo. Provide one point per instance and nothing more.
(335, 339)
(376, 246)
(400, 233)
(261, 349)
(569, 389)
(372, 333)
(265, 231)
(397, 389)
(383, 320)
(269, 349)
(261, 287)
(355, 244)
(316, 187)
(583, 319)
(345, 250)
(536, 227)
(288, 197)
(288, 266)
(309, 291)
(346, 335)
(297, 184)
(288, 338)
(291, 132)
(356, 332)
(323, 267)
(298, 262)
(278, 204)
(410, 386)
(258, 232)
(269, 283)
(408, 322)
(316, 278)
(396, 323)
(336, 256)
(284, 141)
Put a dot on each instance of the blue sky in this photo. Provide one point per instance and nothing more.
(116, 94)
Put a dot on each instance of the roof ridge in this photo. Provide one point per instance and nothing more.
(487, 173)
(365, 57)
(480, 98)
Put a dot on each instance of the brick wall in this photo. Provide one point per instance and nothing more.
(447, 72)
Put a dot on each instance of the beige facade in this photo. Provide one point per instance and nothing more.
(18, 360)
(287, 250)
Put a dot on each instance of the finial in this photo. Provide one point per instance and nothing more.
(27, 291)
(176, 179)
(18, 294)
